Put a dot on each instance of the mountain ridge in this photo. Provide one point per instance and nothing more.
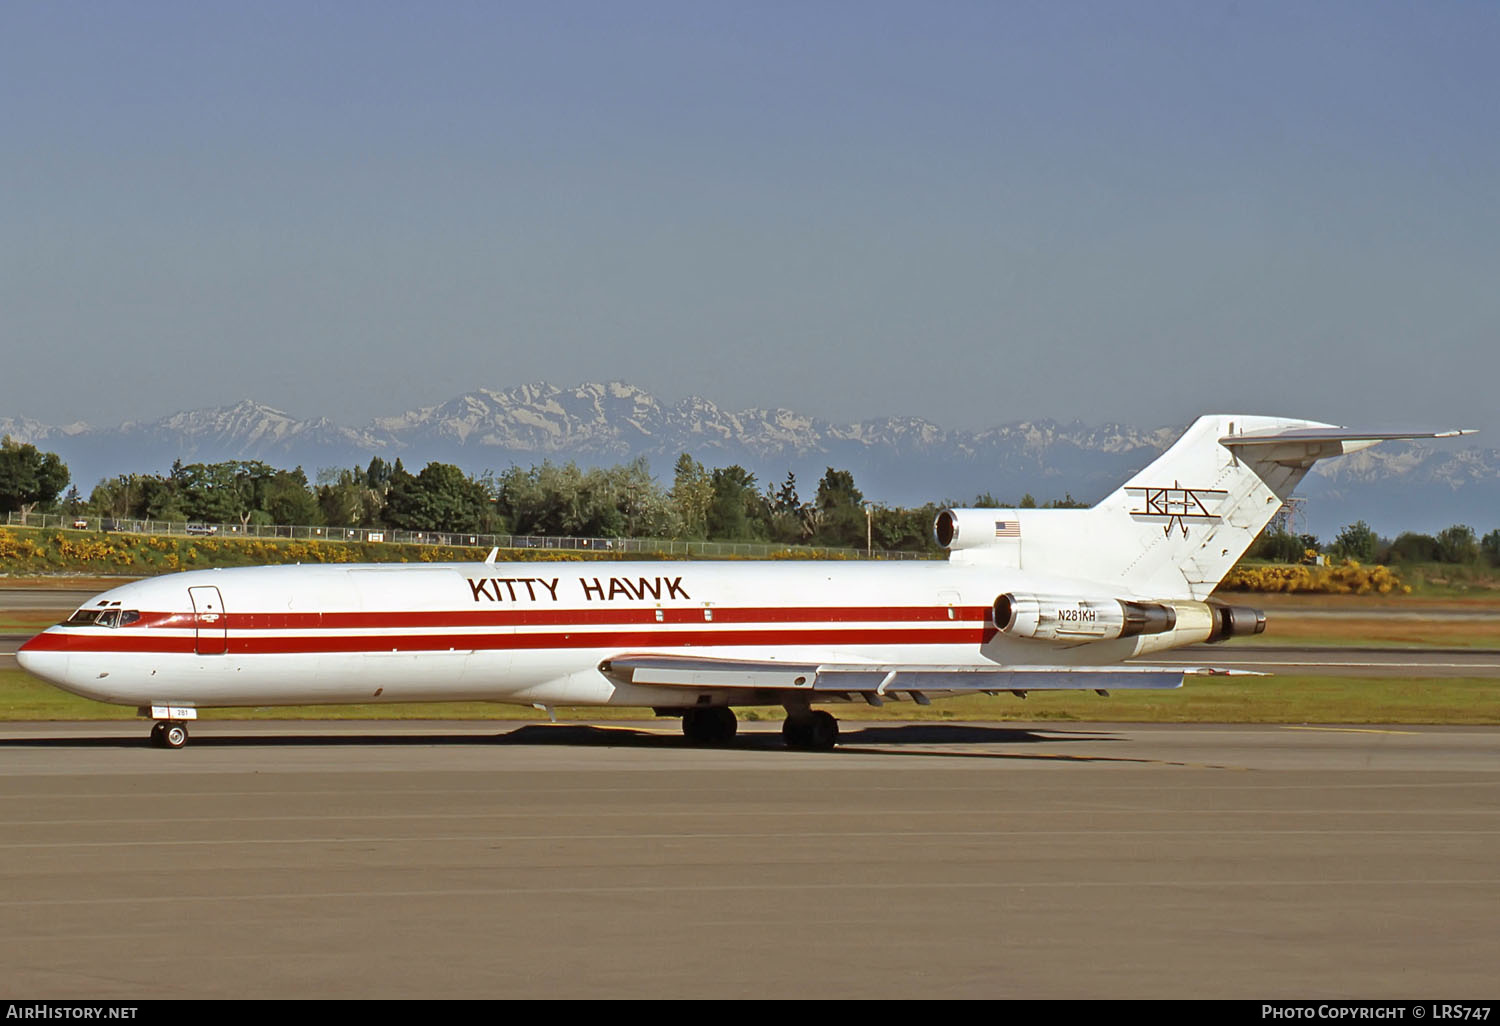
(901, 460)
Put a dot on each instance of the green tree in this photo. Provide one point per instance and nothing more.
(614, 502)
(440, 498)
(1411, 547)
(29, 477)
(840, 508)
(905, 530)
(119, 498)
(210, 492)
(378, 474)
(345, 498)
(1490, 546)
(1281, 546)
(785, 499)
(287, 499)
(161, 499)
(836, 491)
(789, 520)
(1357, 541)
(692, 494)
(736, 511)
(648, 510)
(1457, 544)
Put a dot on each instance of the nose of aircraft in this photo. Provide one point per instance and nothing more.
(44, 659)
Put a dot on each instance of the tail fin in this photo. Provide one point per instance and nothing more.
(1178, 526)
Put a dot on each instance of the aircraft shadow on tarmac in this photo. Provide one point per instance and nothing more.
(893, 739)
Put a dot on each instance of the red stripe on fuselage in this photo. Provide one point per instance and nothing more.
(533, 617)
(267, 644)
(406, 619)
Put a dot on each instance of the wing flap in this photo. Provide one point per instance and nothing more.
(878, 680)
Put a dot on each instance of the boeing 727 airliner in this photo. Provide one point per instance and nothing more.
(1027, 600)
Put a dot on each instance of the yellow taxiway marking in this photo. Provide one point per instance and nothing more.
(1355, 730)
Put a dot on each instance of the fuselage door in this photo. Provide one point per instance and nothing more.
(208, 618)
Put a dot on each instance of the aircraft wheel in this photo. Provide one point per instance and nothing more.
(726, 725)
(823, 732)
(817, 730)
(794, 732)
(714, 726)
(174, 735)
(157, 729)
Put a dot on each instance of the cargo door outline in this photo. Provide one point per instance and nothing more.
(210, 627)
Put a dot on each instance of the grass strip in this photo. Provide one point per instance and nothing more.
(1277, 699)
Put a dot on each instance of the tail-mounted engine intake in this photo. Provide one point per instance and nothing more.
(1076, 618)
(959, 529)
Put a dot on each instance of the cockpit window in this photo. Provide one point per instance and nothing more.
(103, 618)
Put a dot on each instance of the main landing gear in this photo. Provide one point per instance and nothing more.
(812, 729)
(714, 725)
(808, 729)
(169, 734)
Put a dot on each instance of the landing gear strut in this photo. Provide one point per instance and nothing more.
(710, 726)
(169, 734)
(814, 729)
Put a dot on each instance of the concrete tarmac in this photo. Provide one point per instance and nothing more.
(67, 599)
(498, 860)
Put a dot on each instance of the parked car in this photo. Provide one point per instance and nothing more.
(202, 528)
(80, 523)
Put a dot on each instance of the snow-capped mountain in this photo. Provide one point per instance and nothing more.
(900, 460)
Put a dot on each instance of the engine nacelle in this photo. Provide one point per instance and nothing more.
(1074, 618)
(1235, 621)
(959, 530)
(1078, 618)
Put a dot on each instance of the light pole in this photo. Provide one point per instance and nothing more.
(869, 530)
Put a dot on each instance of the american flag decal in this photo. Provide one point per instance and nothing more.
(1007, 529)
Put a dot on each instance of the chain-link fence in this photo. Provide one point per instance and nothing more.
(612, 546)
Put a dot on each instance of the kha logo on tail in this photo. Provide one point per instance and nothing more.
(1177, 504)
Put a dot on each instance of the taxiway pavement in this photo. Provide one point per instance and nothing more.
(498, 860)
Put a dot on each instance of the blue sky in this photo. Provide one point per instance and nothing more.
(969, 212)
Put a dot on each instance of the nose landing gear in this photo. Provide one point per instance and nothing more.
(169, 734)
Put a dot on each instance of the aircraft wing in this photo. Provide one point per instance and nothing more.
(875, 681)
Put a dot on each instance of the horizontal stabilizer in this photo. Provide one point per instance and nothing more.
(701, 672)
(1334, 435)
(1314, 443)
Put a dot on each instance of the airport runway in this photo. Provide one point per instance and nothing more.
(500, 860)
(45, 598)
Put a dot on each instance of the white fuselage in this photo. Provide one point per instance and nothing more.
(526, 632)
